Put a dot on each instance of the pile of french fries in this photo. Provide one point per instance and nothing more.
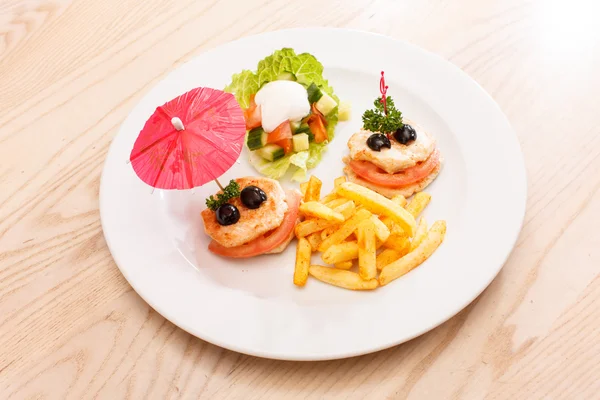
(355, 228)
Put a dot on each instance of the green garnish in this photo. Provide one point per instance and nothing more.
(376, 120)
(230, 191)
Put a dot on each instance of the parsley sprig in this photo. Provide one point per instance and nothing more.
(230, 191)
(376, 120)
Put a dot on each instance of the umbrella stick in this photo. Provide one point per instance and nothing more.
(218, 184)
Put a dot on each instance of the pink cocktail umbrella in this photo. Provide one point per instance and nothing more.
(190, 140)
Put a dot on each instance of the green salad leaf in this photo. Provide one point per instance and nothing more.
(306, 69)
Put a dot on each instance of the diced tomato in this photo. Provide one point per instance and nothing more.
(287, 144)
(283, 131)
(315, 111)
(252, 115)
(268, 242)
(373, 174)
(317, 127)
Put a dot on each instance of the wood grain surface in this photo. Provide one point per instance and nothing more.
(72, 328)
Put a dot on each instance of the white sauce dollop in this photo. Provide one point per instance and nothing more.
(280, 101)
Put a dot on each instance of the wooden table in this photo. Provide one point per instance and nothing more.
(71, 326)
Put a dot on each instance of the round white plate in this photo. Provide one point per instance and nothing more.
(251, 306)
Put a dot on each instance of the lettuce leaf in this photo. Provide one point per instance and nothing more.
(307, 69)
(243, 85)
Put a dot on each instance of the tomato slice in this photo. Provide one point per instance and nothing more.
(374, 174)
(268, 242)
(317, 127)
(287, 144)
(283, 131)
(252, 115)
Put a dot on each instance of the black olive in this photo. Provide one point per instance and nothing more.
(227, 214)
(378, 140)
(405, 134)
(252, 196)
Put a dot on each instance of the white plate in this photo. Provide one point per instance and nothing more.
(251, 306)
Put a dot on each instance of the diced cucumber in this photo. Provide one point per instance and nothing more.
(271, 152)
(286, 76)
(300, 142)
(295, 125)
(326, 104)
(314, 93)
(257, 138)
(344, 111)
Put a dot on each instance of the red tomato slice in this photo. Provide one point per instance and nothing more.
(372, 173)
(287, 144)
(283, 131)
(252, 115)
(268, 242)
(317, 127)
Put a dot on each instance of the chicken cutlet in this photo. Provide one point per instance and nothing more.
(252, 223)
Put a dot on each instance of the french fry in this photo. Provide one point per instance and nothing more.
(313, 191)
(325, 233)
(400, 243)
(381, 230)
(418, 203)
(319, 210)
(378, 204)
(400, 200)
(430, 243)
(337, 202)
(344, 279)
(393, 227)
(386, 257)
(338, 253)
(315, 240)
(345, 230)
(419, 234)
(330, 197)
(338, 181)
(303, 187)
(309, 226)
(303, 252)
(347, 209)
(365, 232)
(344, 265)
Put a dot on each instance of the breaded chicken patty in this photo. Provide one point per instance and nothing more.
(252, 223)
(396, 159)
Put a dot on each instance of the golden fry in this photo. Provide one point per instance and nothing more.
(325, 233)
(381, 230)
(345, 230)
(337, 202)
(430, 243)
(418, 203)
(378, 204)
(315, 240)
(338, 181)
(319, 210)
(344, 265)
(400, 200)
(340, 252)
(330, 197)
(348, 209)
(400, 243)
(303, 187)
(393, 227)
(313, 191)
(303, 252)
(344, 279)
(365, 233)
(386, 257)
(309, 226)
(419, 234)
